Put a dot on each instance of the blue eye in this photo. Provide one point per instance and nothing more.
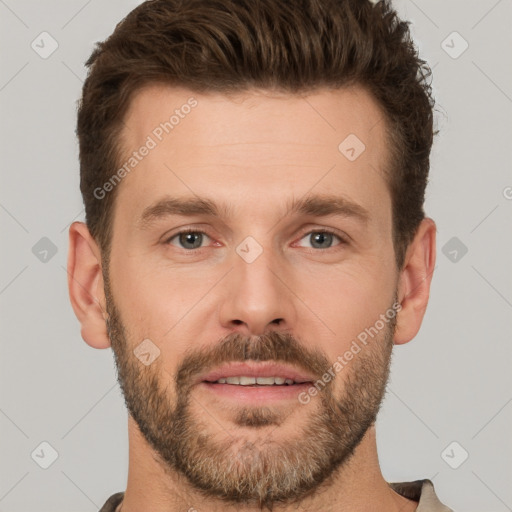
(192, 239)
(320, 237)
(189, 239)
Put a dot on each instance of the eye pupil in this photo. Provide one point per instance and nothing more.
(320, 238)
(189, 238)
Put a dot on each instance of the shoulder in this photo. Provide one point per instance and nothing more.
(423, 492)
(112, 503)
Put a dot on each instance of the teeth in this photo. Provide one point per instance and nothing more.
(248, 381)
(268, 381)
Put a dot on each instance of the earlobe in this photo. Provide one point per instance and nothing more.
(85, 285)
(414, 283)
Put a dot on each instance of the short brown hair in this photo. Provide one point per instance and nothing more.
(237, 45)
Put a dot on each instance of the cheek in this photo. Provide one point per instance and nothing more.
(348, 301)
(160, 304)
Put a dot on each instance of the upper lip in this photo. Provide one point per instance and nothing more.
(261, 369)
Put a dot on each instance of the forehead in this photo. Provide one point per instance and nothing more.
(321, 117)
(253, 143)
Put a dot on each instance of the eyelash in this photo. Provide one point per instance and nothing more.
(342, 240)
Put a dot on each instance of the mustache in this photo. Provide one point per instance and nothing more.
(271, 346)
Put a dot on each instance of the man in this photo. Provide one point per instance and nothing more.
(288, 144)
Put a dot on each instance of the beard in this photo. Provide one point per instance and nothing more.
(240, 467)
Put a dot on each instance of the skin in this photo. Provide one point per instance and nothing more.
(253, 151)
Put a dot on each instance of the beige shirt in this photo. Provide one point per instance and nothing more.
(421, 491)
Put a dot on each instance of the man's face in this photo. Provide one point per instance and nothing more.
(255, 291)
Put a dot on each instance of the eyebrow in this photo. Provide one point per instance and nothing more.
(316, 206)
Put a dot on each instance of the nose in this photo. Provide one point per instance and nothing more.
(256, 297)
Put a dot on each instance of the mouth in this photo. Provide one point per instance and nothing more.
(256, 382)
(244, 380)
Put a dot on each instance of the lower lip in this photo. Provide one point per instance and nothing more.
(256, 393)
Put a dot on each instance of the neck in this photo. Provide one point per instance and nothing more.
(358, 486)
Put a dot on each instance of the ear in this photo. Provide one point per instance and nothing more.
(85, 284)
(414, 282)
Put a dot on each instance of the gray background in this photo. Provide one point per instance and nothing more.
(451, 384)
